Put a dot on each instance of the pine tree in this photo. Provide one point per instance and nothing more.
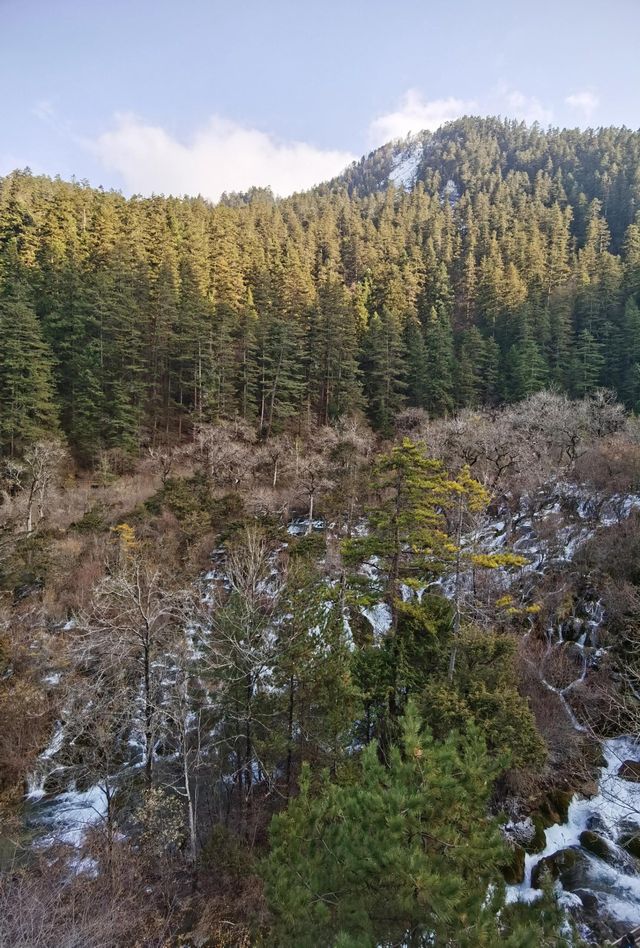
(332, 355)
(384, 370)
(630, 358)
(405, 855)
(280, 383)
(408, 527)
(586, 364)
(246, 357)
(527, 369)
(439, 365)
(27, 408)
(416, 362)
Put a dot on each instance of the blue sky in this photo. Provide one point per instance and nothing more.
(201, 97)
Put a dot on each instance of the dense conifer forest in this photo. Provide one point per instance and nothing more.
(511, 265)
(319, 539)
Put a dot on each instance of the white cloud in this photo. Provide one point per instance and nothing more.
(528, 108)
(221, 156)
(585, 102)
(416, 114)
(45, 111)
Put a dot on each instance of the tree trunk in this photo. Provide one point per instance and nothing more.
(148, 716)
(290, 736)
(457, 594)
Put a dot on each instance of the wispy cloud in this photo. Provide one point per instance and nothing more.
(515, 104)
(585, 102)
(221, 156)
(415, 114)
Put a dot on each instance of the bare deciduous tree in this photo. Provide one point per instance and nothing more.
(129, 626)
(41, 467)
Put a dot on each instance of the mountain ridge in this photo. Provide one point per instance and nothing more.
(501, 260)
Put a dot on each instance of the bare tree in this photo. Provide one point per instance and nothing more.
(129, 627)
(240, 651)
(41, 467)
(227, 451)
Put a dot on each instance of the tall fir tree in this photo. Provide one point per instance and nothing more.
(27, 406)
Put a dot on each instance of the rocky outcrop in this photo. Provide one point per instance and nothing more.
(598, 845)
(630, 770)
(566, 865)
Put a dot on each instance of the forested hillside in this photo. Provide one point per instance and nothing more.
(319, 546)
(503, 260)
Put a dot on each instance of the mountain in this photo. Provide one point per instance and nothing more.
(319, 546)
(476, 155)
(473, 265)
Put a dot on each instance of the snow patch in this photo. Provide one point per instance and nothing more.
(405, 167)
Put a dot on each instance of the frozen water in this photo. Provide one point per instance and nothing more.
(616, 803)
(70, 814)
(380, 618)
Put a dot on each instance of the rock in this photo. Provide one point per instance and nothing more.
(596, 824)
(519, 831)
(630, 770)
(598, 845)
(588, 899)
(594, 756)
(513, 871)
(555, 806)
(630, 842)
(589, 789)
(567, 865)
(538, 840)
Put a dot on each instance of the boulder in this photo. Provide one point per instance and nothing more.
(589, 899)
(598, 845)
(555, 806)
(596, 823)
(630, 770)
(567, 865)
(513, 871)
(589, 789)
(630, 842)
(538, 840)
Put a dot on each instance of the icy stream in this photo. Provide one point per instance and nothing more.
(613, 813)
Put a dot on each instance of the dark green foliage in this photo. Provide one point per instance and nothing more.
(407, 855)
(148, 316)
(482, 692)
(27, 409)
(383, 368)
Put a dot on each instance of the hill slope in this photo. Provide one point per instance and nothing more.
(476, 264)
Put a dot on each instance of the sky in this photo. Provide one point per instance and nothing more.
(204, 96)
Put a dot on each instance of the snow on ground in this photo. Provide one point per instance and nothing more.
(617, 802)
(405, 167)
(379, 616)
(71, 814)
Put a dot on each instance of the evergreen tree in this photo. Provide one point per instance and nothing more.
(630, 355)
(586, 364)
(27, 407)
(405, 855)
(383, 368)
(332, 355)
(439, 364)
(416, 362)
